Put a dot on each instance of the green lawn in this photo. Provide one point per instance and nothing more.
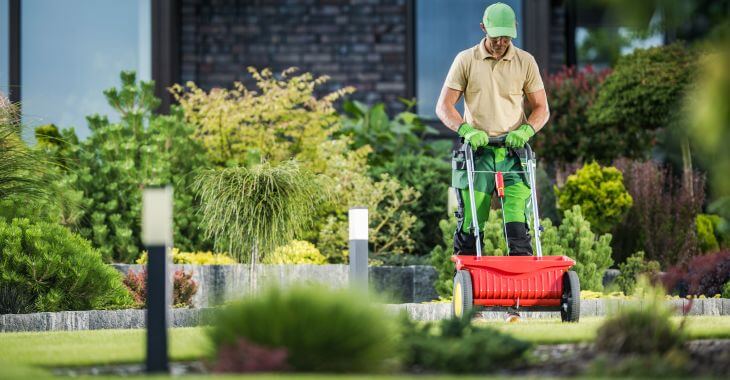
(29, 351)
(553, 331)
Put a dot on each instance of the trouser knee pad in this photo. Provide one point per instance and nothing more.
(465, 243)
(518, 239)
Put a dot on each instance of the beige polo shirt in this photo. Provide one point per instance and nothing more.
(494, 90)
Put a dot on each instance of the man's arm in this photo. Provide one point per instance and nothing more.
(540, 110)
(446, 108)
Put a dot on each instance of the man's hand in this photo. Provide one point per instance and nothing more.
(474, 137)
(518, 137)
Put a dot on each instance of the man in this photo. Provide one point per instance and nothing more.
(493, 77)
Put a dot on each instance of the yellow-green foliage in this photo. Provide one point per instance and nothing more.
(706, 232)
(283, 119)
(386, 199)
(296, 252)
(197, 258)
(600, 193)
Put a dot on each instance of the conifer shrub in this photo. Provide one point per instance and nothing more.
(53, 269)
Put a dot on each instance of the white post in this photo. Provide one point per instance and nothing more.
(358, 222)
(157, 238)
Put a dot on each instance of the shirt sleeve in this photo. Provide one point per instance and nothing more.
(533, 81)
(456, 78)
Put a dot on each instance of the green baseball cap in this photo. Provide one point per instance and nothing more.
(499, 20)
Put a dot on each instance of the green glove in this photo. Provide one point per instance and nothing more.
(474, 137)
(518, 137)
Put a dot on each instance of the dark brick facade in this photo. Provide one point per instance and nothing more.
(361, 43)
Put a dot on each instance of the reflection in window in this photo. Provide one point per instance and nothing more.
(443, 29)
(72, 50)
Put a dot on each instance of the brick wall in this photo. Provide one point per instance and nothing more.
(361, 43)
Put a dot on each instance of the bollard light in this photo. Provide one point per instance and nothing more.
(358, 226)
(157, 238)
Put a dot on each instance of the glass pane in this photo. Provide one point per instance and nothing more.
(72, 50)
(443, 29)
(4, 47)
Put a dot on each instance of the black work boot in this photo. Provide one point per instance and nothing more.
(518, 239)
(464, 243)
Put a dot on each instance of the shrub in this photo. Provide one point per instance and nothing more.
(440, 259)
(389, 139)
(118, 159)
(284, 120)
(184, 287)
(427, 175)
(331, 331)
(575, 239)
(642, 333)
(640, 96)
(568, 137)
(600, 193)
(244, 356)
(296, 252)
(454, 345)
(702, 275)
(726, 290)
(195, 258)
(57, 269)
(706, 234)
(661, 221)
(21, 170)
(251, 211)
(634, 267)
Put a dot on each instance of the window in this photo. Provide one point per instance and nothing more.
(4, 47)
(443, 29)
(72, 50)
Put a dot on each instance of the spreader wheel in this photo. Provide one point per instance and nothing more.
(570, 301)
(463, 299)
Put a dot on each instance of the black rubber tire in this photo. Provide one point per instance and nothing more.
(570, 301)
(462, 281)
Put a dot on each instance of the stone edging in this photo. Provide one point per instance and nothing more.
(135, 318)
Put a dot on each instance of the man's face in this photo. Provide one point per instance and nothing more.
(499, 44)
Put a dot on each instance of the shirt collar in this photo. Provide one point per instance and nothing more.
(484, 54)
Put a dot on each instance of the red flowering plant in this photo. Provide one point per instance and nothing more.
(184, 287)
(567, 137)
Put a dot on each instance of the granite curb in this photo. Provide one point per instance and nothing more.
(135, 318)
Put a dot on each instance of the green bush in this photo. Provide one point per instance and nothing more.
(600, 193)
(389, 139)
(296, 252)
(640, 96)
(321, 330)
(726, 290)
(642, 333)
(575, 239)
(428, 176)
(454, 345)
(118, 159)
(706, 234)
(634, 267)
(440, 259)
(58, 269)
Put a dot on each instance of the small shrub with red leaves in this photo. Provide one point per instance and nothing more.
(184, 287)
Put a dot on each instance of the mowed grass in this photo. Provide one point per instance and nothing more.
(97, 347)
(553, 331)
(29, 351)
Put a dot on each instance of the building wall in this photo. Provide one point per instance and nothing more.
(361, 43)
